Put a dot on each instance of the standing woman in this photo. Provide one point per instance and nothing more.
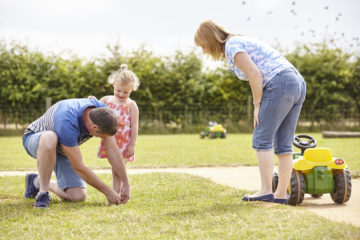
(278, 91)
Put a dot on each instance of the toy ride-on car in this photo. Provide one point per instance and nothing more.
(214, 130)
(316, 171)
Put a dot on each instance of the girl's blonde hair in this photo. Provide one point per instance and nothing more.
(212, 38)
(124, 76)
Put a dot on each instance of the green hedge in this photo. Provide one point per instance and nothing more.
(175, 90)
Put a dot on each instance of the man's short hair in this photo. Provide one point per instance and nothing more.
(105, 119)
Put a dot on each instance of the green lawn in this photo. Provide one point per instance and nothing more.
(178, 151)
(163, 206)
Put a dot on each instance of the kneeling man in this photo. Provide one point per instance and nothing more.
(54, 139)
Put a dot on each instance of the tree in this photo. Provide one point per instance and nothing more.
(326, 72)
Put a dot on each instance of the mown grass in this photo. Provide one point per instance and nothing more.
(180, 151)
(163, 206)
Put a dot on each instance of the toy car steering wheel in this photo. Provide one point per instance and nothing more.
(310, 143)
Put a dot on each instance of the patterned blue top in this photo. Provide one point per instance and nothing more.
(269, 61)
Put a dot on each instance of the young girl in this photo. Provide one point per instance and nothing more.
(124, 82)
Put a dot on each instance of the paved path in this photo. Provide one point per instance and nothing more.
(247, 178)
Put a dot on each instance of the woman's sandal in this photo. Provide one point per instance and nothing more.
(264, 198)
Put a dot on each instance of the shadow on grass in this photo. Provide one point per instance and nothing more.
(22, 206)
(217, 208)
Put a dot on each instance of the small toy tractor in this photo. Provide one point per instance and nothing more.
(316, 171)
(214, 130)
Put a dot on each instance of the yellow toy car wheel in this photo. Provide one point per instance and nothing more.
(342, 186)
(275, 181)
(296, 189)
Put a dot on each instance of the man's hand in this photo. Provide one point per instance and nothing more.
(113, 198)
(75, 158)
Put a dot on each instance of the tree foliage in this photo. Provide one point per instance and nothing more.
(173, 88)
(329, 74)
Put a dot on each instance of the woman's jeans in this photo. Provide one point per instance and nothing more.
(283, 97)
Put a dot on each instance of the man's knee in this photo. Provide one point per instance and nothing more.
(48, 141)
(76, 194)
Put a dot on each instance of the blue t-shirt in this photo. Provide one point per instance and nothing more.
(65, 119)
(269, 61)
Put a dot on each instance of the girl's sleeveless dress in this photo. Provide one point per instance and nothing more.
(124, 130)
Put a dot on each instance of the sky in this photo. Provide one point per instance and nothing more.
(86, 27)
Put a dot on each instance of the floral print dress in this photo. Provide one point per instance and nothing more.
(124, 130)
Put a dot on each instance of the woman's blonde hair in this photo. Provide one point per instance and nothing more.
(124, 76)
(212, 38)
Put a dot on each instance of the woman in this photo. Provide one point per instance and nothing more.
(278, 91)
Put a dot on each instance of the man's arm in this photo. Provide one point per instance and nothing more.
(117, 163)
(75, 158)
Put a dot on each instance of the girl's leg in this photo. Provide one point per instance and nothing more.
(117, 184)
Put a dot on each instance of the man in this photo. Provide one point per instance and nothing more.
(54, 139)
